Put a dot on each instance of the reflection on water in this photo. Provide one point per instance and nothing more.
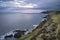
(21, 21)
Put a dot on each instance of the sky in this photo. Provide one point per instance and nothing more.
(18, 5)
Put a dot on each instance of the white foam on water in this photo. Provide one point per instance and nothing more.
(2, 37)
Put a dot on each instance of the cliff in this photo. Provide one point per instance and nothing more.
(47, 30)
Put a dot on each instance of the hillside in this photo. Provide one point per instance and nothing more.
(48, 30)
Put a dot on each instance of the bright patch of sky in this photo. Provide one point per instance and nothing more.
(17, 3)
(8, 5)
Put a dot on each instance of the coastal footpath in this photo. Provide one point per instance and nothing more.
(49, 29)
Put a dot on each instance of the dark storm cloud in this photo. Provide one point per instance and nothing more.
(41, 4)
(6, 0)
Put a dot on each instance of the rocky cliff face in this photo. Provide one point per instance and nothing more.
(50, 30)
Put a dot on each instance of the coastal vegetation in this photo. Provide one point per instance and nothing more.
(49, 29)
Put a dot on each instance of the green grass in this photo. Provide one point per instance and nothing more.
(55, 18)
(30, 35)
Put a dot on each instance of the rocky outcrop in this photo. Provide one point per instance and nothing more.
(41, 24)
(8, 36)
(15, 34)
(19, 33)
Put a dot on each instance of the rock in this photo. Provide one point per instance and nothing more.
(8, 36)
(19, 31)
(17, 35)
(41, 24)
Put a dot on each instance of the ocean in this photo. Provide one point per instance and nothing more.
(12, 21)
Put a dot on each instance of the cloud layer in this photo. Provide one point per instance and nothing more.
(16, 4)
(19, 4)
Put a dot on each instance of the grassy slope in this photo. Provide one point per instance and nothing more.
(56, 19)
(37, 32)
(29, 36)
